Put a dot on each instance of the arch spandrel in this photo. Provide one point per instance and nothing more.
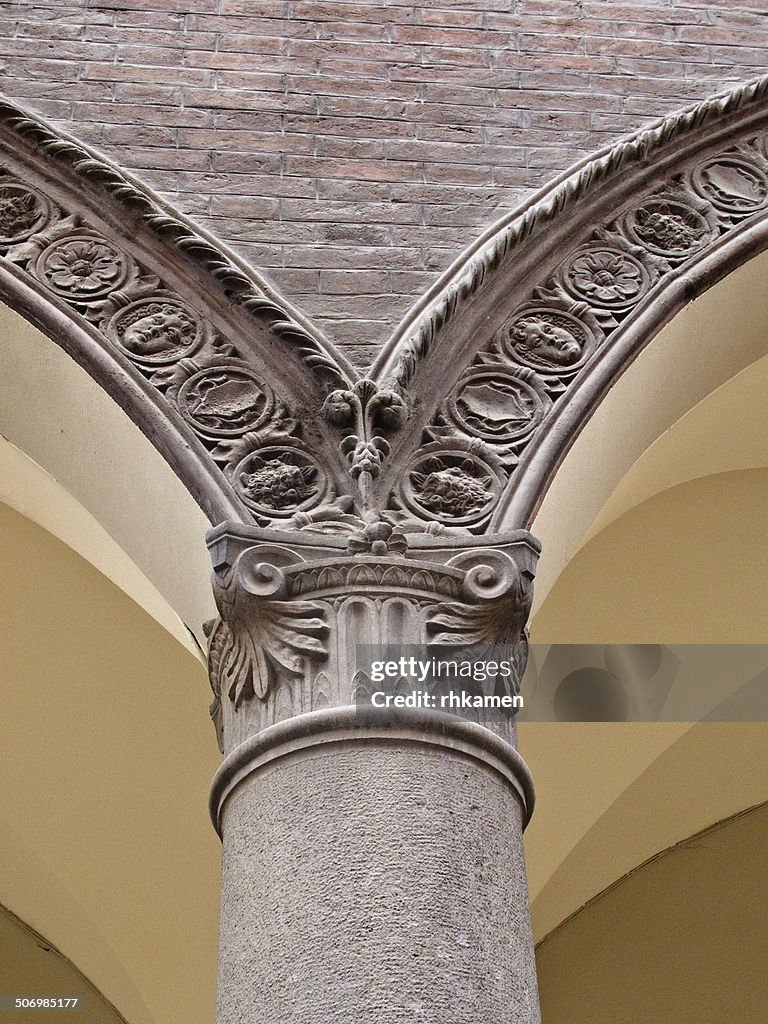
(508, 356)
(197, 348)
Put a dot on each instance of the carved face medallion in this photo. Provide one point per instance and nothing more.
(156, 331)
(732, 184)
(453, 487)
(22, 212)
(497, 406)
(548, 340)
(82, 267)
(607, 277)
(225, 401)
(279, 481)
(669, 228)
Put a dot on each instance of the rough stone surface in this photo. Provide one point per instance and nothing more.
(351, 150)
(375, 883)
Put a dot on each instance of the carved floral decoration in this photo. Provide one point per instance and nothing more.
(498, 406)
(260, 634)
(234, 413)
(606, 276)
(365, 413)
(83, 266)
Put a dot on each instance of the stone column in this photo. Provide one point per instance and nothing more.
(373, 867)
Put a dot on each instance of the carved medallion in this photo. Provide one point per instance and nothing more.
(548, 340)
(82, 267)
(225, 401)
(606, 276)
(278, 481)
(493, 403)
(156, 331)
(23, 211)
(732, 184)
(668, 227)
(455, 487)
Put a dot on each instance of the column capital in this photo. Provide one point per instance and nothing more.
(294, 605)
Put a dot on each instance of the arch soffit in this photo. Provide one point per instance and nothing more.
(524, 334)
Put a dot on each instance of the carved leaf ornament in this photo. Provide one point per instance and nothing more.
(260, 634)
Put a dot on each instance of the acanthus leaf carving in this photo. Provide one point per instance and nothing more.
(260, 636)
(497, 596)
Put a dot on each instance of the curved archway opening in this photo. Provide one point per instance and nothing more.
(75, 463)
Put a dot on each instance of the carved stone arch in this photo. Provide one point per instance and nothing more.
(220, 372)
(526, 333)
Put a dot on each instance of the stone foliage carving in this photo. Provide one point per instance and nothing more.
(451, 469)
(260, 638)
(292, 615)
(365, 414)
(606, 276)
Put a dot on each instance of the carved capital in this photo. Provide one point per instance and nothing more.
(293, 609)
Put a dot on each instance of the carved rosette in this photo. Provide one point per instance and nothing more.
(293, 609)
(606, 275)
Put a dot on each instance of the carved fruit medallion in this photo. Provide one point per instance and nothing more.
(668, 228)
(548, 340)
(496, 405)
(732, 184)
(82, 267)
(454, 487)
(278, 481)
(607, 277)
(225, 401)
(22, 212)
(156, 332)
